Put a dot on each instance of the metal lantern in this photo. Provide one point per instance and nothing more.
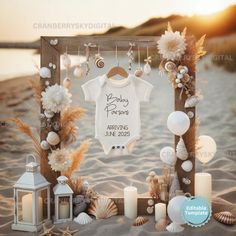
(31, 199)
(63, 200)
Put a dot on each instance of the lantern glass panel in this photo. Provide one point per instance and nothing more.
(43, 205)
(64, 207)
(25, 207)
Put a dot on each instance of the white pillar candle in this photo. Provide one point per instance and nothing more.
(131, 202)
(27, 201)
(203, 185)
(160, 211)
(64, 210)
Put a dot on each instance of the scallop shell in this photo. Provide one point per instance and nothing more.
(44, 72)
(79, 72)
(66, 61)
(99, 62)
(225, 217)
(103, 208)
(83, 219)
(140, 220)
(181, 151)
(161, 224)
(48, 114)
(44, 145)
(191, 101)
(138, 72)
(170, 66)
(53, 138)
(147, 69)
(174, 228)
(187, 166)
(67, 82)
(186, 181)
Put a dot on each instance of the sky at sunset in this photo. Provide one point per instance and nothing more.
(26, 20)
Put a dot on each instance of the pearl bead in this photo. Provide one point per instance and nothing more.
(177, 81)
(180, 85)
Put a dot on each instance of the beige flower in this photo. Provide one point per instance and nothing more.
(171, 45)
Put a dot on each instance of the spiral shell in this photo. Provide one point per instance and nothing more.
(138, 72)
(181, 151)
(140, 220)
(225, 217)
(53, 138)
(99, 62)
(187, 166)
(103, 208)
(83, 219)
(147, 69)
(191, 101)
(170, 66)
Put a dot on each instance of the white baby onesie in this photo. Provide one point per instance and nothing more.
(117, 117)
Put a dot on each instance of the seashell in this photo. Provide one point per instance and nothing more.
(150, 210)
(225, 217)
(151, 202)
(138, 72)
(181, 151)
(44, 145)
(187, 166)
(179, 76)
(99, 61)
(66, 61)
(186, 181)
(83, 219)
(53, 138)
(191, 101)
(186, 78)
(48, 114)
(140, 220)
(147, 69)
(44, 72)
(174, 228)
(180, 85)
(79, 72)
(67, 83)
(161, 224)
(103, 208)
(170, 66)
(152, 173)
(174, 186)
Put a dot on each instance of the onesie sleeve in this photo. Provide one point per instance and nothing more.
(91, 90)
(143, 90)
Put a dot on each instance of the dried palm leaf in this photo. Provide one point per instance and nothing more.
(183, 34)
(169, 28)
(199, 48)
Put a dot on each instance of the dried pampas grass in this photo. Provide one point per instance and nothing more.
(36, 87)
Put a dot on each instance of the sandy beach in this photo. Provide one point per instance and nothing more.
(109, 175)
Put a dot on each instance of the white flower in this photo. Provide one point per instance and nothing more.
(171, 45)
(59, 160)
(55, 98)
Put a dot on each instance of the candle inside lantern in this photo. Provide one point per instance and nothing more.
(160, 211)
(27, 203)
(130, 202)
(64, 209)
(203, 185)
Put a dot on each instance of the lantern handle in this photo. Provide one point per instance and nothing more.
(30, 156)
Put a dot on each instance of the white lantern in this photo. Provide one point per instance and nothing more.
(63, 200)
(31, 199)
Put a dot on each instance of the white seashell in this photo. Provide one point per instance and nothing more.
(53, 138)
(180, 85)
(99, 61)
(170, 66)
(186, 69)
(138, 72)
(181, 151)
(186, 181)
(44, 145)
(103, 208)
(67, 83)
(151, 202)
(187, 166)
(191, 101)
(140, 220)
(48, 114)
(147, 69)
(150, 210)
(174, 228)
(66, 60)
(79, 72)
(44, 72)
(225, 217)
(83, 219)
(179, 76)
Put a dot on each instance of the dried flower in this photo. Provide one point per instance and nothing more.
(171, 45)
(60, 160)
(55, 98)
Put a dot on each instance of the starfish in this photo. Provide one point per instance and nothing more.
(67, 231)
(48, 231)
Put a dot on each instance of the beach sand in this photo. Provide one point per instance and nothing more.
(109, 175)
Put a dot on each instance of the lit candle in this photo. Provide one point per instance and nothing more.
(130, 202)
(203, 185)
(64, 210)
(27, 204)
(160, 211)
